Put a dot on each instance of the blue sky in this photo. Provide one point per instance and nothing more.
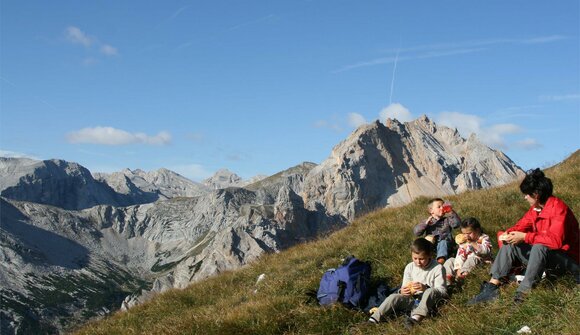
(260, 86)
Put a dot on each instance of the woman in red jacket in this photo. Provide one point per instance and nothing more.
(546, 238)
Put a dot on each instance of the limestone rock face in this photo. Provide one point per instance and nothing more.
(53, 273)
(224, 178)
(221, 179)
(379, 166)
(70, 186)
(53, 182)
(159, 184)
(167, 244)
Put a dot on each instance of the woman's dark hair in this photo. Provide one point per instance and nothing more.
(536, 182)
(421, 245)
(472, 223)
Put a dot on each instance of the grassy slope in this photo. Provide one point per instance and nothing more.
(227, 304)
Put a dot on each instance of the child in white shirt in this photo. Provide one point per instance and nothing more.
(422, 288)
(474, 249)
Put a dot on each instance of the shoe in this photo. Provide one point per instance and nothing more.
(410, 323)
(519, 297)
(373, 320)
(487, 293)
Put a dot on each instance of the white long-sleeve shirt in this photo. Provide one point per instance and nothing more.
(433, 276)
(466, 250)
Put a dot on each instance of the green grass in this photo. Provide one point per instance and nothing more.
(227, 304)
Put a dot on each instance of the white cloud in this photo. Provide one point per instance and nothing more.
(356, 120)
(505, 128)
(77, 36)
(13, 154)
(560, 97)
(494, 136)
(194, 172)
(396, 111)
(329, 125)
(467, 124)
(109, 50)
(113, 136)
(528, 144)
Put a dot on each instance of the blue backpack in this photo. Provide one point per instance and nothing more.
(348, 284)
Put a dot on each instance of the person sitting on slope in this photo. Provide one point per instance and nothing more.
(437, 228)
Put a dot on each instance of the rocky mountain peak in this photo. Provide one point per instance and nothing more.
(378, 166)
(221, 179)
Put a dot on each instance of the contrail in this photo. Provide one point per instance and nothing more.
(393, 79)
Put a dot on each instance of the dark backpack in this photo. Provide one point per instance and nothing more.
(348, 284)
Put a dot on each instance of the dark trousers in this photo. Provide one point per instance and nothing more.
(536, 258)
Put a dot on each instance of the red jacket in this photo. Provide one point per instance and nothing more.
(555, 227)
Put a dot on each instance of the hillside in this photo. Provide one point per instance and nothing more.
(233, 303)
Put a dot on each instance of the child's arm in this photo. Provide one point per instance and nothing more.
(483, 246)
(407, 278)
(421, 227)
(460, 258)
(437, 282)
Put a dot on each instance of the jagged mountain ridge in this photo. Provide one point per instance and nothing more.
(50, 273)
(171, 243)
(166, 243)
(71, 186)
(54, 182)
(379, 166)
(160, 184)
(224, 178)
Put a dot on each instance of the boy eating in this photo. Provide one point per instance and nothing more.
(422, 288)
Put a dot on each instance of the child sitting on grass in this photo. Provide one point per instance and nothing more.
(438, 227)
(422, 288)
(474, 249)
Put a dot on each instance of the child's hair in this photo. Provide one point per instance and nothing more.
(421, 245)
(430, 204)
(472, 223)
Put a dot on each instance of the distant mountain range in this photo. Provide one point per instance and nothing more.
(75, 246)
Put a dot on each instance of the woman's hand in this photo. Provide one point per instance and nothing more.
(515, 237)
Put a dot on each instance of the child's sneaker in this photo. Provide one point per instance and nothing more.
(487, 293)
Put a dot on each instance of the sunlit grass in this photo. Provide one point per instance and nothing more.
(232, 303)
